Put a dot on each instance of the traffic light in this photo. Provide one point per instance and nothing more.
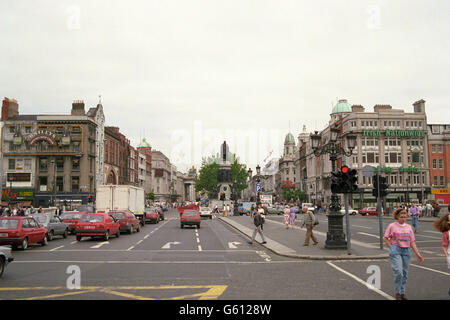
(336, 182)
(346, 180)
(375, 186)
(383, 186)
(353, 180)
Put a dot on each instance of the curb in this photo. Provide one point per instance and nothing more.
(310, 257)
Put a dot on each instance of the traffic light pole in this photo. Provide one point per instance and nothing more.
(347, 225)
(379, 208)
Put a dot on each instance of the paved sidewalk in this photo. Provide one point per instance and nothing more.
(289, 242)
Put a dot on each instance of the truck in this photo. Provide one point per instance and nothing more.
(121, 197)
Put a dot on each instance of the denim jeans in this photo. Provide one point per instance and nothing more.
(400, 259)
(258, 229)
(414, 222)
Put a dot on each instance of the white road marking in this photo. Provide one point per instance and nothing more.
(415, 265)
(264, 255)
(161, 262)
(73, 242)
(57, 248)
(434, 232)
(146, 236)
(426, 251)
(368, 234)
(385, 295)
(130, 248)
(199, 248)
(100, 244)
(421, 235)
(232, 245)
(168, 244)
(354, 225)
(198, 240)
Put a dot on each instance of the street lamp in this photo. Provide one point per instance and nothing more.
(335, 234)
(258, 180)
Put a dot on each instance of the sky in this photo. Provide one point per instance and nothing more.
(187, 75)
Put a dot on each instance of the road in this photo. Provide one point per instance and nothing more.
(164, 261)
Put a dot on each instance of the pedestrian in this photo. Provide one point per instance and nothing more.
(399, 237)
(287, 214)
(14, 211)
(429, 207)
(414, 213)
(258, 221)
(437, 209)
(228, 209)
(309, 221)
(292, 216)
(40, 210)
(262, 212)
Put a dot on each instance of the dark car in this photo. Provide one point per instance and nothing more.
(72, 218)
(54, 225)
(128, 222)
(190, 218)
(21, 231)
(151, 215)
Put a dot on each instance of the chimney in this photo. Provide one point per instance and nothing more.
(357, 108)
(78, 108)
(381, 107)
(419, 106)
(10, 108)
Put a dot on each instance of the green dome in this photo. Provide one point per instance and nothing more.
(144, 144)
(289, 138)
(342, 106)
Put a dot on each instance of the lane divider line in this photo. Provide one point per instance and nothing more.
(57, 248)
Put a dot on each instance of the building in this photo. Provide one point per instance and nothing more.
(390, 138)
(99, 118)
(48, 159)
(145, 154)
(161, 176)
(439, 155)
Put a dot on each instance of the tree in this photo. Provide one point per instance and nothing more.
(293, 194)
(207, 179)
(151, 196)
(239, 176)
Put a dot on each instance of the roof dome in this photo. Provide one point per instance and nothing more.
(289, 138)
(144, 144)
(342, 106)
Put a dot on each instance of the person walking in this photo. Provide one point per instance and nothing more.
(309, 222)
(414, 213)
(287, 214)
(443, 225)
(228, 209)
(292, 216)
(258, 221)
(399, 237)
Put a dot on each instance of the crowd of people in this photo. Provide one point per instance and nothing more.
(8, 211)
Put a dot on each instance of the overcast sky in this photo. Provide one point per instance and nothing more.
(190, 74)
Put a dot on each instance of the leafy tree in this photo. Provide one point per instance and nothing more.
(293, 194)
(207, 179)
(239, 176)
(151, 196)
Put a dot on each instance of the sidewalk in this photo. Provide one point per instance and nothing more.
(289, 242)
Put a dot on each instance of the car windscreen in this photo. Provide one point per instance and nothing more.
(190, 213)
(70, 216)
(9, 223)
(117, 215)
(205, 209)
(150, 211)
(92, 218)
(41, 218)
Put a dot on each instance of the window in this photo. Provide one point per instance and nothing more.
(441, 179)
(420, 124)
(43, 163)
(60, 163)
(376, 123)
(441, 163)
(435, 181)
(11, 164)
(385, 123)
(27, 129)
(12, 129)
(439, 148)
(434, 164)
(75, 164)
(75, 184)
(42, 183)
(27, 165)
(393, 157)
(76, 146)
(362, 123)
(398, 123)
(59, 184)
(76, 129)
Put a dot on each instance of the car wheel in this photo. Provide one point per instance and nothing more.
(24, 244)
(50, 235)
(65, 234)
(44, 241)
(106, 237)
(79, 238)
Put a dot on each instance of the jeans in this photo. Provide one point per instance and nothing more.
(258, 229)
(400, 259)
(415, 220)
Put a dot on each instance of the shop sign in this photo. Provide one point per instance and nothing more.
(16, 194)
(409, 169)
(440, 191)
(46, 135)
(394, 133)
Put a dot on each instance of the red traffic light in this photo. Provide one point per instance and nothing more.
(344, 169)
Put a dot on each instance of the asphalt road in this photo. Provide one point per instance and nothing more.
(164, 261)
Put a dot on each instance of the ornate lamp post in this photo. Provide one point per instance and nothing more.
(335, 234)
(258, 180)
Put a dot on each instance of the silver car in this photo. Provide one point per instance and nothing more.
(54, 225)
(5, 258)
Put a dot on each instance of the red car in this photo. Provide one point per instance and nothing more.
(21, 231)
(97, 225)
(151, 215)
(371, 211)
(190, 218)
(128, 222)
(72, 218)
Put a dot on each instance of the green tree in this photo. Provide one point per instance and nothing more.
(207, 179)
(239, 176)
(151, 196)
(293, 194)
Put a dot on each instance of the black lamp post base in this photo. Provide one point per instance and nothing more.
(335, 235)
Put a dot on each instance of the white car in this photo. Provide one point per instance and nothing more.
(206, 212)
(5, 258)
(351, 211)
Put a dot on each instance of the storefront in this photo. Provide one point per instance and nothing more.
(441, 196)
(22, 197)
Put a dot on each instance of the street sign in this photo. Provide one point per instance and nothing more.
(368, 171)
(258, 187)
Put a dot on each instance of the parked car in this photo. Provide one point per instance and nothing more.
(54, 225)
(97, 225)
(371, 211)
(351, 211)
(21, 231)
(152, 215)
(190, 218)
(72, 218)
(5, 258)
(276, 209)
(128, 222)
(206, 212)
